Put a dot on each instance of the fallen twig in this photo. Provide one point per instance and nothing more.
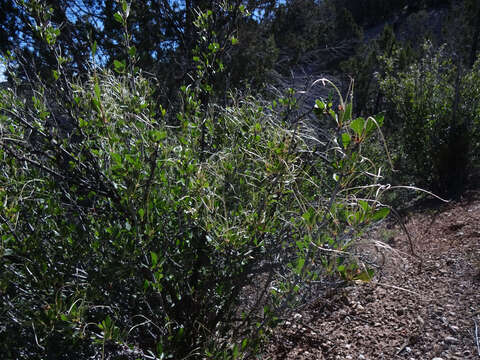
(476, 337)
(398, 288)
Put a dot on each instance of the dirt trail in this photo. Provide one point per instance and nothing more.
(403, 313)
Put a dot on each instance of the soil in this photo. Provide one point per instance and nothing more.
(418, 307)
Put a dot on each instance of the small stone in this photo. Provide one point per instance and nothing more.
(361, 357)
(297, 316)
(400, 312)
(451, 340)
(420, 321)
(437, 358)
(454, 328)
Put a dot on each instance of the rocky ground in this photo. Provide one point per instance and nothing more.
(417, 307)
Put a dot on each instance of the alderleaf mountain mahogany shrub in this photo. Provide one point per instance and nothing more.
(140, 232)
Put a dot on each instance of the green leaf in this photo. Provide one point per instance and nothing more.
(97, 91)
(370, 126)
(363, 204)
(117, 158)
(55, 74)
(357, 126)
(119, 66)
(96, 104)
(309, 216)
(380, 214)
(300, 263)
(333, 114)
(300, 245)
(94, 48)
(379, 119)
(214, 47)
(124, 6)
(118, 17)
(234, 40)
(132, 51)
(348, 112)
(154, 257)
(158, 135)
(320, 104)
(365, 275)
(346, 139)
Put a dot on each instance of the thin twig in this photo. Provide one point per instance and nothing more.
(410, 241)
(398, 288)
(476, 337)
(36, 338)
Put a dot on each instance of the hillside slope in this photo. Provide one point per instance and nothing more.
(407, 311)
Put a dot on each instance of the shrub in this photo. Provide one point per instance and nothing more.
(435, 107)
(125, 234)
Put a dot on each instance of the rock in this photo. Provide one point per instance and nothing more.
(451, 340)
(361, 357)
(454, 328)
(420, 321)
(437, 358)
(360, 308)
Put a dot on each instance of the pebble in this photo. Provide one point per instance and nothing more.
(361, 357)
(360, 308)
(437, 358)
(454, 328)
(451, 340)
(420, 321)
